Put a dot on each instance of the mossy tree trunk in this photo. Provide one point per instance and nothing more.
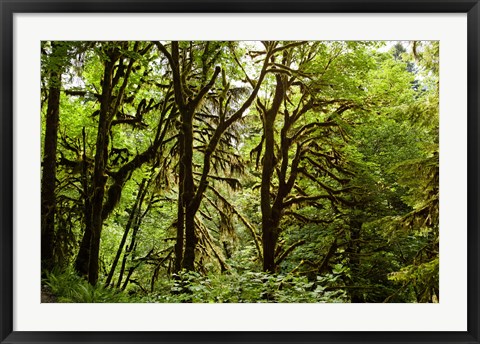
(48, 203)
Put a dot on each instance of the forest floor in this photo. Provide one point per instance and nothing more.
(47, 296)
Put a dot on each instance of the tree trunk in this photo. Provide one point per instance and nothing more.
(90, 246)
(180, 210)
(131, 218)
(188, 262)
(269, 242)
(49, 166)
(99, 177)
(268, 237)
(270, 218)
(131, 247)
(81, 263)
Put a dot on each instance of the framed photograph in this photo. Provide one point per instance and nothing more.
(248, 172)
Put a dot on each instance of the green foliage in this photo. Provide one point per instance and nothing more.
(358, 224)
(68, 287)
(247, 287)
(422, 278)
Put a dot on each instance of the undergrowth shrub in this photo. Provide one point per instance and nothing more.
(192, 287)
(68, 287)
(247, 287)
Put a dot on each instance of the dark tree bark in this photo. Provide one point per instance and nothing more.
(180, 211)
(99, 177)
(48, 203)
(81, 263)
(270, 216)
(188, 189)
(133, 214)
(137, 221)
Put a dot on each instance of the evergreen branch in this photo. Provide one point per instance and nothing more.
(255, 237)
(207, 238)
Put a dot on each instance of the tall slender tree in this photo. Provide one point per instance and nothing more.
(55, 65)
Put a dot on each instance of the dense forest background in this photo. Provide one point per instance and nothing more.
(211, 171)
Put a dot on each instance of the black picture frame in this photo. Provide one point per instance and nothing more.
(9, 7)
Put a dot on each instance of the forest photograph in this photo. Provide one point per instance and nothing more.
(239, 172)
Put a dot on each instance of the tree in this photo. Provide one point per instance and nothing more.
(421, 178)
(55, 62)
(118, 64)
(188, 102)
(312, 115)
(54, 67)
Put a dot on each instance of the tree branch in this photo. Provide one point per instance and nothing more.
(244, 221)
(289, 250)
(194, 103)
